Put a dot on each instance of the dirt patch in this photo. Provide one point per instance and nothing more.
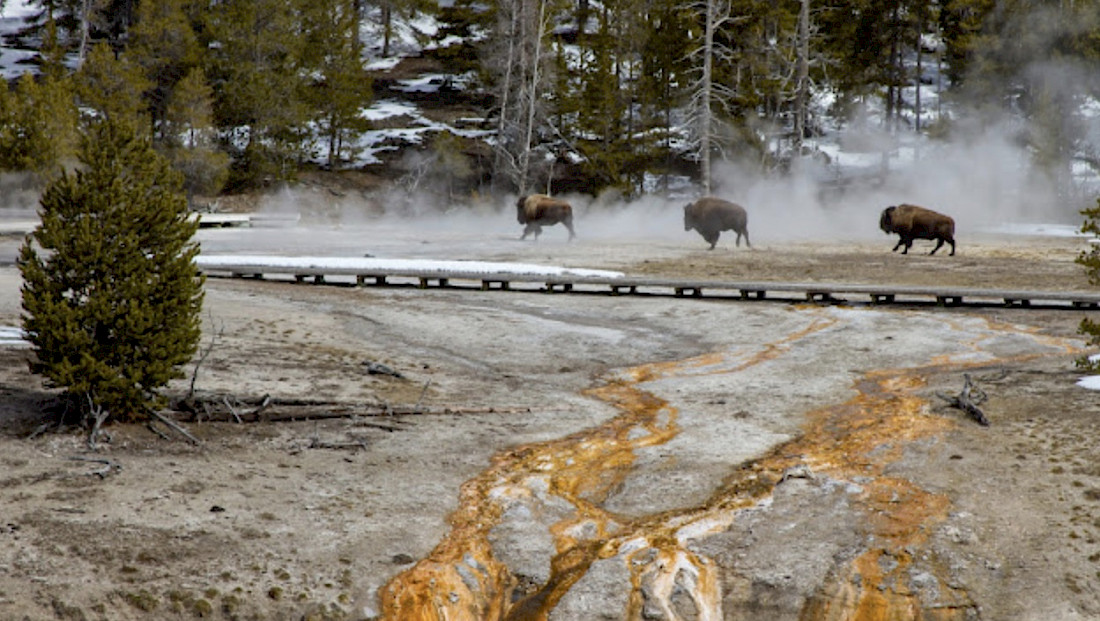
(729, 468)
(996, 262)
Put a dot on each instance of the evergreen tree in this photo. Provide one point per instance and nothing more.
(1091, 261)
(38, 120)
(113, 87)
(463, 20)
(163, 43)
(111, 293)
(38, 125)
(961, 22)
(340, 88)
(664, 74)
(600, 122)
(254, 62)
(190, 139)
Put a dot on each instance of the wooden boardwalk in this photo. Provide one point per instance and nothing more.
(821, 293)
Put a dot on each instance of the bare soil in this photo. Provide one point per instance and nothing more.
(820, 474)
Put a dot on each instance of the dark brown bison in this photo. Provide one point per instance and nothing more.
(912, 222)
(539, 210)
(710, 216)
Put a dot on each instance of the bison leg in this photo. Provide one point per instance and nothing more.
(712, 239)
(898, 245)
(531, 228)
(746, 234)
(939, 244)
(569, 225)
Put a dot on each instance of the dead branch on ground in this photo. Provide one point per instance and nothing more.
(108, 466)
(353, 445)
(968, 400)
(224, 408)
(175, 427)
(377, 368)
(153, 428)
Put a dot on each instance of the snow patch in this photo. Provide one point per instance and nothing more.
(1091, 382)
(11, 336)
(368, 265)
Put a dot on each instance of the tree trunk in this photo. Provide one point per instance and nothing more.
(358, 6)
(802, 96)
(532, 100)
(704, 110)
(920, 67)
(387, 28)
(84, 29)
(505, 97)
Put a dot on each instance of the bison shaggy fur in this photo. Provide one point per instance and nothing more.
(913, 222)
(539, 210)
(710, 216)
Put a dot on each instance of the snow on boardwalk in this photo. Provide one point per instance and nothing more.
(553, 278)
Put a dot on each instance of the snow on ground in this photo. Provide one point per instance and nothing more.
(11, 336)
(1035, 228)
(13, 61)
(370, 264)
(1092, 382)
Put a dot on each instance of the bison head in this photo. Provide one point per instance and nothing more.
(521, 210)
(886, 221)
(689, 217)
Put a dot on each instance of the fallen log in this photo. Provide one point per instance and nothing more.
(223, 408)
(967, 400)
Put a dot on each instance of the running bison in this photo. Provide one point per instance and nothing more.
(912, 222)
(539, 210)
(710, 216)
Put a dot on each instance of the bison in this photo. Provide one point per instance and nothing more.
(710, 216)
(912, 222)
(539, 210)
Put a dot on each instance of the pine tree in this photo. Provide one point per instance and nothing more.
(664, 72)
(1091, 261)
(254, 61)
(113, 86)
(189, 137)
(340, 88)
(163, 43)
(38, 119)
(38, 133)
(111, 293)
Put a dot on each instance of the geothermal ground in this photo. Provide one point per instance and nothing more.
(580, 456)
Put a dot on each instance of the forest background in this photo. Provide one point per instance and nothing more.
(632, 96)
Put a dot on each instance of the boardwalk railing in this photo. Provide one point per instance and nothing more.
(826, 293)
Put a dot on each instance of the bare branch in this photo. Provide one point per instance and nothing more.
(968, 399)
(175, 427)
(206, 352)
(98, 414)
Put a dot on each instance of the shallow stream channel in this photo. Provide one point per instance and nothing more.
(754, 480)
